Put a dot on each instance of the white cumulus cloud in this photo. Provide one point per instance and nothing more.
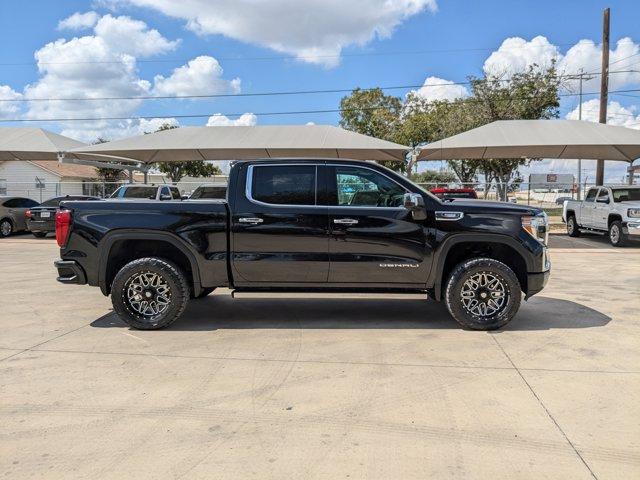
(314, 31)
(9, 109)
(79, 21)
(244, 120)
(200, 76)
(435, 88)
(94, 66)
(617, 114)
(517, 54)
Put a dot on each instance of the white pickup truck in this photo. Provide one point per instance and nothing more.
(612, 210)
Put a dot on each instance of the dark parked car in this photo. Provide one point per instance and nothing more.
(307, 225)
(147, 192)
(41, 219)
(12, 214)
(210, 191)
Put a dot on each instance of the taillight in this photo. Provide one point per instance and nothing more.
(28, 214)
(63, 225)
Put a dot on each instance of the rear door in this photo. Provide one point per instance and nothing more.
(279, 229)
(374, 240)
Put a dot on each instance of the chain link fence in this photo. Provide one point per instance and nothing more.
(540, 195)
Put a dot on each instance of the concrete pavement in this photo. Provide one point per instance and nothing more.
(309, 386)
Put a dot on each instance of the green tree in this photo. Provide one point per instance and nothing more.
(177, 170)
(434, 177)
(372, 113)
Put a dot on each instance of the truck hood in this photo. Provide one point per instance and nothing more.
(480, 206)
(630, 204)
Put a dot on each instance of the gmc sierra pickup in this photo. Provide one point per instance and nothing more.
(307, 225)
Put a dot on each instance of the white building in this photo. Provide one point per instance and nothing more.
(41, 180)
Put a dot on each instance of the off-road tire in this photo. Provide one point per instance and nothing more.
(39, 234)
(3, 228)
(572, 226)
(176, 280)
(204, 292)
(465, 271)
(617, 238)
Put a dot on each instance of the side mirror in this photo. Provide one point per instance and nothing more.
(603, 200)
(164, 196)
(415, 204)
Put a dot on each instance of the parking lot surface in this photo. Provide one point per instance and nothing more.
(309, 386)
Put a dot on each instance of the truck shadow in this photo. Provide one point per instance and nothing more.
(223, 312)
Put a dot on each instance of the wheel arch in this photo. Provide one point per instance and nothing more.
(118, 248)
(612, 218)
(464, 246)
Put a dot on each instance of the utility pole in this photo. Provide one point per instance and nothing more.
(581, 78)
(604, 87)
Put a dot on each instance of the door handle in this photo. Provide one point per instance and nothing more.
(345, 221)
(251, 220)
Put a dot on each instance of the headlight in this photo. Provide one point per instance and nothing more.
(633, 213)
(537, 226)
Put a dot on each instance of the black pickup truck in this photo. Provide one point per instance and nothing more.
(307, 225)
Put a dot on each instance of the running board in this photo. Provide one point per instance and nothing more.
(320, 292)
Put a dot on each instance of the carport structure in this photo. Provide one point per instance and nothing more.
(245, 143)
(561, 139)
(24, 143)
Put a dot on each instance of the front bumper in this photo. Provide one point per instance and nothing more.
(70, 272)
(536, 282)
(631, 229)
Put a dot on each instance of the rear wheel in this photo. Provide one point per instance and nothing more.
(39, 234)
(616, 235)
(572, 227)
(150, 293)
(6, 227)
(483, 294)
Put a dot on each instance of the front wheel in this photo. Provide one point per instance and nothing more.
(572, 227)
(616, 235)
(150, 293)
(6, 227)
(483, 294)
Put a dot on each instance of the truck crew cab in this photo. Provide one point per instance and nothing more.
(307, 224)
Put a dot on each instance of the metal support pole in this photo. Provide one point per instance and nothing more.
(604, 86)
(580, 160)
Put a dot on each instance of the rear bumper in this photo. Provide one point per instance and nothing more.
(70, 272)
(536, 282)
(632, 229)
(41, 226)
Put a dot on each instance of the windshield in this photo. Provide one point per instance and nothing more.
(140, 192)
(626, 194)
(210, 192)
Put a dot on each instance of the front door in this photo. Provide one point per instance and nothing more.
(588, 207)
(279, 230)
(601, 210)
(374, 241)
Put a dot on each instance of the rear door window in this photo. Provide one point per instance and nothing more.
(140, 192)
(284, 185)
(175, 193)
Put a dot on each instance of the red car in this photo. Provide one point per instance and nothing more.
(449, 193)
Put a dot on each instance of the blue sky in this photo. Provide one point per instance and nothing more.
(312, 45)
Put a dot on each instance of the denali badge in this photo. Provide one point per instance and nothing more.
(398, 265)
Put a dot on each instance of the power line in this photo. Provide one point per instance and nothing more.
(284, 57)
(203, 115)
(262, 94)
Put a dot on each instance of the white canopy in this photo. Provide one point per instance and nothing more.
(570, 139)
(23, 143)
(245, 143)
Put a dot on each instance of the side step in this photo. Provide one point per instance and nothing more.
(323, 292)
